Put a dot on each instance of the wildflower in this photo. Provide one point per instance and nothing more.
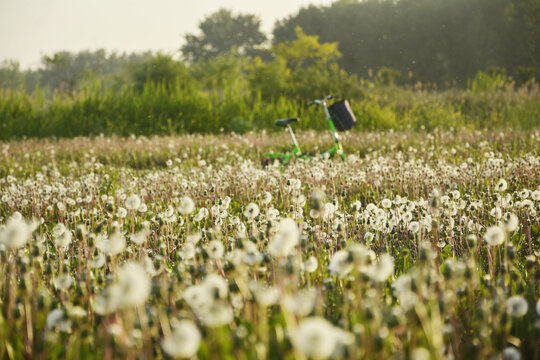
(188, 251)
(186, 205)
(341, 264)
(16, 233)
(386, 203)
(63, 282)
(64, 239)
(184, 340)
(420, 353)
(252, 255)
(201, 214)
(414, 226)
(382, 269)
(266, 198)
(523, 194)
(133, 202)
(266, 296)
(535, 195)
(496, 212)
(194, 238)
(216, 286)
(201, 297)
(121, 212)
(133, 286)
(57, 319)
(197, 297)
(77, 312)
(98, 260)
(310, 265)
(302, 303)
(368, 237)
(356, 206)
(317, 200)
(510, 222)
(140, 237)
(511, 353)
(215, 249)
(516, 306)
(502, 185)
(114, 244)
(58, 230)
(142, 208)
(494, 235)
(328, 211)
(316, 338)
(251, 211)
(285, 241)
(216, 315)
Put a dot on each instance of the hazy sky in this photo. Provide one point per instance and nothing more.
(32, 28)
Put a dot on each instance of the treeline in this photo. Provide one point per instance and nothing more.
(440, 41)
(229, 79)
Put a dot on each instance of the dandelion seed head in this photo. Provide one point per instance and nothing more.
(134, 284)
(251, 211)
(16, 233)
(184, 340)
(511, 353)
(516, 306)
(133, 202)
(501, 186)
(341, 264)
(285, 241)
(316, 338)
(494, 236)
(187, 205)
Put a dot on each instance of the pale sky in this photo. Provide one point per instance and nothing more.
(30, 29)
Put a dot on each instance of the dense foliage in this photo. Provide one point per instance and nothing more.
(443, 42)
(404, 64)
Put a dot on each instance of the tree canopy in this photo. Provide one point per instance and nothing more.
(222, 32)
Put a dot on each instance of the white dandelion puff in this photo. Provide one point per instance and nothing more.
(511, 353)
(186, 205)
(510, 222)
(382, 269)
(16, 233)
(251, 211)
(341, 263)
(134, 284)
(184, 340)
(316, 338)
(63, 282)
(516, 306)
(133, 202)
(494, 235)
(285, 241)
(121, 212)
(215, 249)
(502, 185)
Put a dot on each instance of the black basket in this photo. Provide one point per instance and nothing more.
(342, 115)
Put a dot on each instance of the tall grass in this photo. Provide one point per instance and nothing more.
(160, 109)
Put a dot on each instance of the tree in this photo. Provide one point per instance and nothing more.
(303, 68)
(159, 69)
(11, 76)
(222, 32)
(441, 41)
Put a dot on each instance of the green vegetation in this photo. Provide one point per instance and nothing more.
(230, 80)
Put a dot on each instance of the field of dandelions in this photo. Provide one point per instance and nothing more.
(418, 246)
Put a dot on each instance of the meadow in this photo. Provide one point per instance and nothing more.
(420, 245)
